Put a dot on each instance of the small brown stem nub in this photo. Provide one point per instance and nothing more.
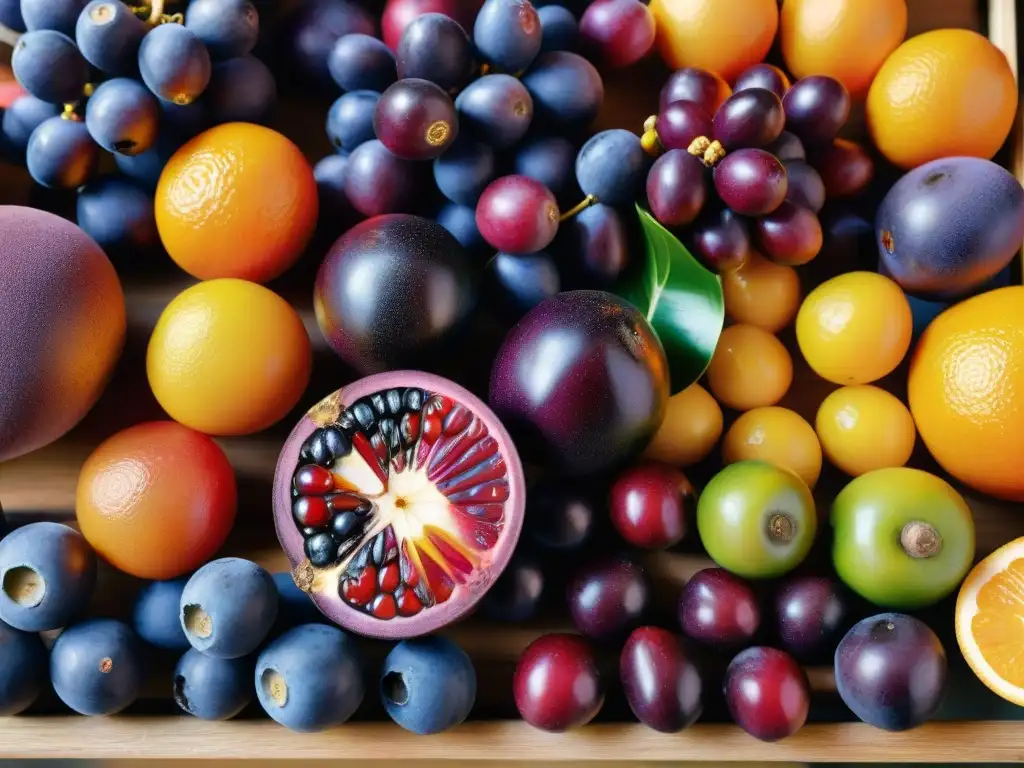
(303, 576)
(781, 528)
(156, 10)
(588, 201)
(920, 539)
(709, 152)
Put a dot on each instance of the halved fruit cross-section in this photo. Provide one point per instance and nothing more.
(398, 500)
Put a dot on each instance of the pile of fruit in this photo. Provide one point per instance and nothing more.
(542, 325)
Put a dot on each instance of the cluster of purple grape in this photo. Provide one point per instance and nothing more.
(131, 80)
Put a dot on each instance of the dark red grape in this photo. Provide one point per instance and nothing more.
(595, 244)
(617, 33)
(609, 598)
(767, 693)
(416, 120)
(790, 235)
(676, 188)
(763, 76)
(377, 182)
(809, 614)
(719, 609)
(751, 181)
(434, 47)
(816, 108)
(787, 147)
(557, 684)
(518, 592)
(750, 118)
(517, 214)
(805, 185)
(680, 123)
(560, 517)
(891, 671)
(649, 502)
(845, 167)
(661, 682)
(692, 84)
(720, 240)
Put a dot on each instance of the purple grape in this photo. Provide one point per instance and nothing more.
(720, 240)
(551, 160)
(518, 592)
(567, 91)
(719, 609)
(61, 154)
(787, 147)
(691, 84)
(609, 598)
(611, 166)
(434, 47)
(790, 235)
(460, 221)
(507, 33)
(312, 32)
(805, 185)
(764, 76)
(465, 170)
(676, 188)
(816, 108)
(416, 120)
(241, 90)
(496, 109)
(49, 66)
(361, 63)
(57, 15)
(350, 119)
(750, 118)
(617, 33)
(517, 214)
(561, 517)
(767, 693)
(559, 28)
(377, 181)
(681, 122)
(123, 116)
(108, 34)
(662, 684)
(845, 167)
(228, 28)
(516, 284)
(595, 247)
(809, 614)
(751, 181)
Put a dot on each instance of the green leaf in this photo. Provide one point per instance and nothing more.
(680, 297)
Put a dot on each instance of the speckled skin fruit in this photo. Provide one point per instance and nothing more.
(62, 327)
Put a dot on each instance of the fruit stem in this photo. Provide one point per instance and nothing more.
(781, 528)
(710, 152)
(588, 201)
(156, 10)
(920, 539)
(650, 140)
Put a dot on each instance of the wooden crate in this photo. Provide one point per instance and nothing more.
(974, 725)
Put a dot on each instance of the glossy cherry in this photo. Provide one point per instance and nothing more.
(649, 503)
(810, 613)
(719, 609)
(662, 684)
(767, 693)
(557, 684)
(609, 598)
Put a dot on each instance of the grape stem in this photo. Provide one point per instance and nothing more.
(9, 36)
(585, 203)
(156, 11)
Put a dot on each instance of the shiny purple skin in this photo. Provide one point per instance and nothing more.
(751, 181)
(594, 246)
(609, 598)
(805, 186)
(788, 147)
(676, 188)
(790, 235)
(415, 120)
(560, 517)
(435, 47)
(891, 671)
(764, 76)
(719, 609)
(681, 122)
(693, 84)
(557, 684)
(816, 108)
(662, 684)
(845, 168)
(750, 118)
(517, 214)
(767, 693)
(719, 238)
(581, 382)
(311, 33)
(378, 182)
(617, 33)
(809, 615)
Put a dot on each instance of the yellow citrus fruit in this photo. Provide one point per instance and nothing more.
(762, 293)
(704, 34)
(228, 357)
(864, 428)
(966, 391)
(854, 328)
(692, 426)
(239, 201)
(777, 435)
(949, 92)
(750, 368)
(990, 621)
(845, 39)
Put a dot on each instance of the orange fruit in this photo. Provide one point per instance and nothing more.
(762, 293)
(228, 357)
(845, 39)
(854, 328)
(949, 92)
(156, 500)
(692, 426)
(966, 391)
(708, 35)
(777, 435)
(864, 428)
(750, 368)
(239, 201)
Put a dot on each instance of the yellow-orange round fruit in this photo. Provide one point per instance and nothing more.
(945, 93)
(845, 39)
(750, 368)
(864, 428)
(156, 500)
(692, 426)
(966, 391)
(762, 293)
(855, 328)
(777, 435)
(228, 357)
(724, 38)
(239, 201)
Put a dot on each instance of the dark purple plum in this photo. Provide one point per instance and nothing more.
(693, 84)
(750, 118)
(560, 517)
(805, 186)
(767, 693)
(517, 214)
(891, 671)
(464, 171)
(435, 47)
(361, 63)
(516, 284)
(764, 76)
(719, 609)
(310, 34)
(496, 110)
(681, 122)
(617, 33)
(816, 108)
(415, 120)
(581, 382)
(720, 239)
(557, 683)
(595, 248)
(676, 188)
(379, 182)
(392, 291)
(789, 235)
(751, 181)
(518, 592)
(809, 615)
(551, 160)
(845, 167)
(662, 684)
(608, 598)
(787, 147)
(567, 91)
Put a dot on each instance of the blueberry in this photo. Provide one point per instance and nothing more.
(47, 575)
(212, 688)
(21, 118)
(10, 15)
(228, 28)
(49, 66)
(108, 34)
(174, 64)
(61, 154)
(519, 283)
(228, 607)
(97, 667)
(155, 615)
(123, 116)
(296, 607)
(567, 91)
(460, 220)
(310, 678)
(551, 160)
(464, 170)
(435, 47)
(58, 15)
(241, 90)
(22, 669)
(428, 685)
(118, 215)
(496, 110)
(559, 28)
(611, 166)
(362, 63)
(330, 184)
(508, 33)
(350, 119)
(145, 169)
